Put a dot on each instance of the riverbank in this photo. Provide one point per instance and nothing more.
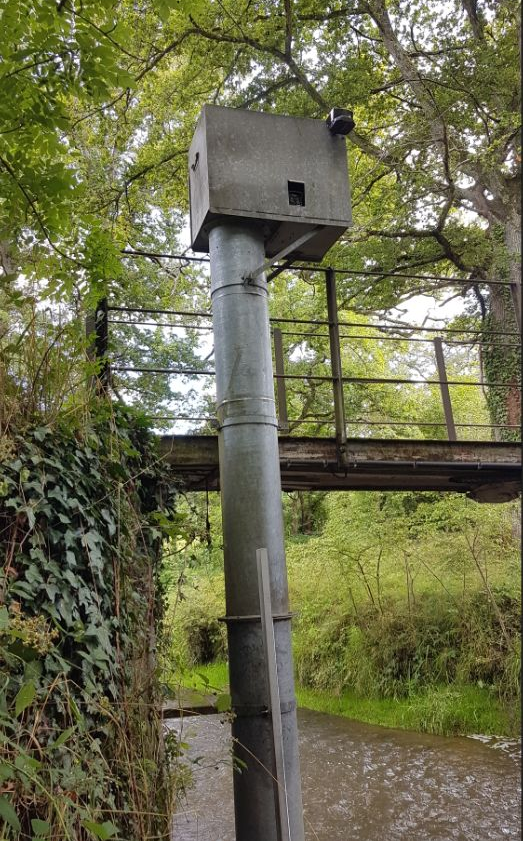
(443, 710)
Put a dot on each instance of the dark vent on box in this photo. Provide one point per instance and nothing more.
(296, 193)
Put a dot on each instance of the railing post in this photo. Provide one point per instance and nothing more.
(281, 390)
(97, 333)
(515, 292)
(444, 389)
(336, 370)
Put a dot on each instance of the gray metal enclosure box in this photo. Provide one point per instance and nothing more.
(288, 174)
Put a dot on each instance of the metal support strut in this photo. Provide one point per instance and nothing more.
(252, 518)
(336, 369)
(444, 390)
(281, 389)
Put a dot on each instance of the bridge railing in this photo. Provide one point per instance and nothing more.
(341, 336)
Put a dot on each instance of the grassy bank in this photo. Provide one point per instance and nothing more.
(460, 709)
(407, 612)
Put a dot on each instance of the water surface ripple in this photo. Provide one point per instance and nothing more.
(366, 783)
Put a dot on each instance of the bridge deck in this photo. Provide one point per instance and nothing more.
(490, 472)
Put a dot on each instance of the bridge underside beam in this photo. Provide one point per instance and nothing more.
(489, 472)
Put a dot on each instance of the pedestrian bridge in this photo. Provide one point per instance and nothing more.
(486, 471)
(334, 395)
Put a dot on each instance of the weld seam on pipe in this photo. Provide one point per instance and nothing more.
(238, 289)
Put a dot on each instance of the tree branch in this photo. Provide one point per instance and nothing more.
(32, 204)
(471, 10)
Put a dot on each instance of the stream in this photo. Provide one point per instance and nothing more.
(366, 783)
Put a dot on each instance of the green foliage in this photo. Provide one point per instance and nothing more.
(192, 623)
(411, 597)
(445, 710)
(81, 538)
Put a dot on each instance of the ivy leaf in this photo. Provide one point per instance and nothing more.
(4, 618)
(25, 763)
(8, 813)
(40, 828)
(28, 510)
(223, 702)
(25, 697)
(6, 772)
(40, 432)
(103, 830)
(62, 738)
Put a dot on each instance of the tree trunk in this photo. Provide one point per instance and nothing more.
(500, 355)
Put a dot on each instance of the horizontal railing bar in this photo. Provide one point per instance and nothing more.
(190, 371)
(305, 334)
(199, 313)
(423, 423)
(305, 267)
(392, 338)
(203, 314)
(180, 417)
(139, 253)
(371, 273)
(316, 419)
(396, 327)
(401, 381)
(317, 377)
(161, 324)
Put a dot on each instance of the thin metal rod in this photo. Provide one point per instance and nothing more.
(200, 313)
(316, 377)
(396, 327)
(283, 253)
(444, 389)
(279, 269)
(281, 389)
(449, 342)
(335, 353)
(308, 268)
(317, 420)
(377, 380)
(192, 372)
(262, 561)
(203, 314)
(384, 274)
(127, 252)
(174, 326)
(314, 335)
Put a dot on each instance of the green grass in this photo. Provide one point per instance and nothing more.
(444, 710)
(213, 677)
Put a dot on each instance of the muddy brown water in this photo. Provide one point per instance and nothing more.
(366, 783)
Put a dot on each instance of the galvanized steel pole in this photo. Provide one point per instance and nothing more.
(252, 519)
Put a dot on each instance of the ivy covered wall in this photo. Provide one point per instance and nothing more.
(82, 513)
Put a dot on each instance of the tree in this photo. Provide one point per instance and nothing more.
(436, 152)
(110, 92)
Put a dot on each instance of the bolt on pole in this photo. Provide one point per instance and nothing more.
(252, 519)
